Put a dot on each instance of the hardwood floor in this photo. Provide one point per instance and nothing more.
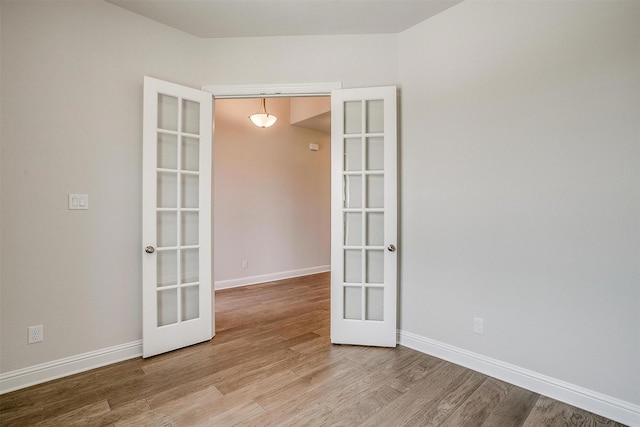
(271, 363)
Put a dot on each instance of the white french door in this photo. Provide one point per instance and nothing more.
(177, 295)
(364, 216)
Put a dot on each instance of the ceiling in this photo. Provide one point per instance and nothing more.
(321, 123)
(255, 18)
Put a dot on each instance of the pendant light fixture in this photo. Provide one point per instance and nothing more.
(264, 119)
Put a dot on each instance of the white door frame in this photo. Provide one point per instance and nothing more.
(283, 90)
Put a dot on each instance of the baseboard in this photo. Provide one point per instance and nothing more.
(598, 403)
(253, 280)
(44, 372)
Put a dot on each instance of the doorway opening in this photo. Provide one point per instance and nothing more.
(271, 190)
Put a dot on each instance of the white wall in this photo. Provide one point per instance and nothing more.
(521, 186)
(71, 122)
(271, 194)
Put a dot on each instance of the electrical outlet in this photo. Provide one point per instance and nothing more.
(245, 264)
(78, 201)
(478, 325)
(36, 334)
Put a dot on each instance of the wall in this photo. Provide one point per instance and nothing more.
(71, 122)
(521, 187)
(72, 101)
(271, 195)
(1, 90)
(356, 60)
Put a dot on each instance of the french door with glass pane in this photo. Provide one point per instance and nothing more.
(364, 216)
(176, 216)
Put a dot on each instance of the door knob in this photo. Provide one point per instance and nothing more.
(149, 249)
(391, 248)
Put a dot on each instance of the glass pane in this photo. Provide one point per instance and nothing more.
(189, 191)
(375, 304)
(167, 151)
(167, 307)
(190, 117)
(167, 268)
(353, 191)
(190, 302)
(375, 229)
(375, 116)
(167, 189)
(353, 154)
(375, 191)
(375, 266)
(189, 261)
(167, 112)
(353, 266)
(352, 303)
(189, 223)
(167, 229)
(353, 229)
(353, 117)
(375, 154)
(190, 154)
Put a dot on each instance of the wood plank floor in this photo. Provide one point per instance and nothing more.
(271, 363)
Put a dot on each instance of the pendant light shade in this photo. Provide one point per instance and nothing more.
(264, 119)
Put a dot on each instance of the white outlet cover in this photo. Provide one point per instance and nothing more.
(78, 201)
(478, 325)
(36, 334)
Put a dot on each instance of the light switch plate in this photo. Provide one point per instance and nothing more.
(78, 201)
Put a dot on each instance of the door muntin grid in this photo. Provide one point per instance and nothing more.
(363, 211)
(177, 210)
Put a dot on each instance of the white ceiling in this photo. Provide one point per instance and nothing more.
(252, 18)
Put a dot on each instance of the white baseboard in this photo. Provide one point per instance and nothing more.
(44, 372)
(55, 369)
(253, 280)
(598, 403)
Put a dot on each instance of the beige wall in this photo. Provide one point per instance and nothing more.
(271, 194)
(304, 108)
(71, 122)
(521, 186)
(356, 61)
